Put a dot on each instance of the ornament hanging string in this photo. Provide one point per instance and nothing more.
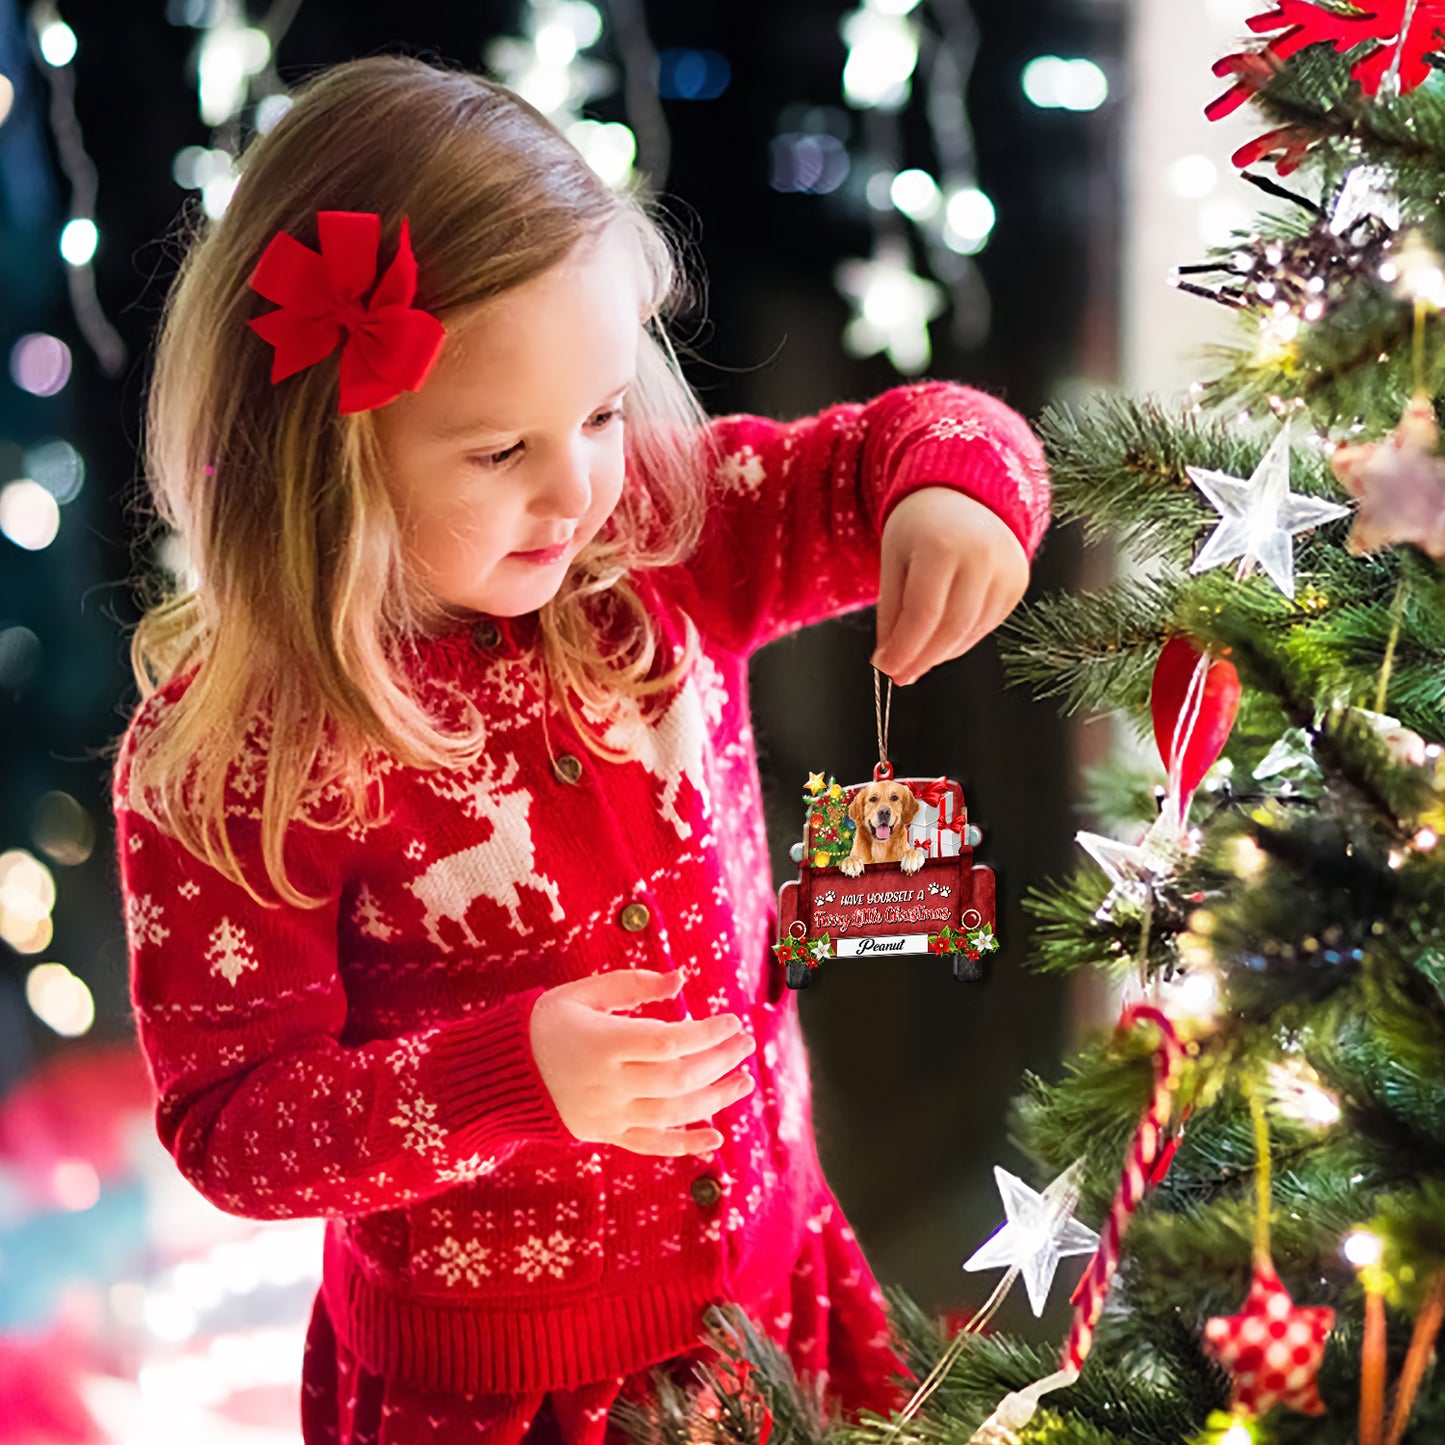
(1390, 81)
(1397, 607)
(939, 1372)
(883, 714)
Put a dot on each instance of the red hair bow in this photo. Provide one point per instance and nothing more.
(390, 345)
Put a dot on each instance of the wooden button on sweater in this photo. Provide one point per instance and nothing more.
(706, 1191)
(634, 917)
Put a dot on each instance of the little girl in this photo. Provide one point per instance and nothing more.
(438, 825)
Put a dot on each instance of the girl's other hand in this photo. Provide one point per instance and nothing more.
(637, 1083)
(951, 570)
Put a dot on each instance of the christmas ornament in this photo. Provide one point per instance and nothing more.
(1400, 484)
(1272, 1348)
(1140, 1169)
(1290, 754)
(1134, 869)
(1368, 196)
(1399, 35)
(1039, 1231)
(1144, 1154)
(1259, 517)
(1289, 280)
(1193, 701)
(885, 867)
(1405, 746)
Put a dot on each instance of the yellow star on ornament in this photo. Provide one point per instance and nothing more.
(815, 784)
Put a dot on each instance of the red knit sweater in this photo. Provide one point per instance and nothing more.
(369, 1061)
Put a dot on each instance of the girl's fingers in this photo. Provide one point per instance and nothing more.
(674, 1142)
(924, 605)
(955, 623)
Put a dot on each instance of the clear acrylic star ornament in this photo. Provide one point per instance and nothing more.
(1260, 517)
(1039, 1231)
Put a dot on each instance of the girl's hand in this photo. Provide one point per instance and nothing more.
(637, 1082)
(952, 570)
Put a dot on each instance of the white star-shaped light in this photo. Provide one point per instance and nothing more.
(1040, 1231)
(1135, 868)
(892, 308)
(1260, 516)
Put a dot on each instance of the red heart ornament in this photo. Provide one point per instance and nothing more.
(1217, 706)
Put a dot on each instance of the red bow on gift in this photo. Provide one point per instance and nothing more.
(390, 345)
(932, 794)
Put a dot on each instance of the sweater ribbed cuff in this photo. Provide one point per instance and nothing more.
(975, 469)
(483, 1076)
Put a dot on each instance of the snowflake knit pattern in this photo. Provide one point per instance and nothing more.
(369, 1061)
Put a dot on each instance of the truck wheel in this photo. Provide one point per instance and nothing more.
(966, 968)
(799, 974)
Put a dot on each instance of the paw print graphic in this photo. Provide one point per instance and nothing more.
(829, 896)
(933, 888)
(946, 891)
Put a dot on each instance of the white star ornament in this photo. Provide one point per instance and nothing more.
(1260, 517)
(1039, 1232)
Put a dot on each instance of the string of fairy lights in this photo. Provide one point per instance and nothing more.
(897, 52)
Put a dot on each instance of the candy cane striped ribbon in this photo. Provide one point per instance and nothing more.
(1149, 1139)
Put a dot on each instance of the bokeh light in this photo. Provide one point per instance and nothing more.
(40, 364)
(62, 829)
(58, 467)
(20, 658)
(1053, 83)
(27, 897)
(916, 194)
(60, 1000)
(813, 164)
(78, 241)
(692, 74)
(29, 515)
(609, 147)
(969, 218)
(57, 43)
(269, 110)
(7, 96)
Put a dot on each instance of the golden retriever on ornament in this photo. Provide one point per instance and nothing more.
(882, 812)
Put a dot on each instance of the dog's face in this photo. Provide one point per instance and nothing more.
(883, 810)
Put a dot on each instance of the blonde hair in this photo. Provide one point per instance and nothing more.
(302, 592)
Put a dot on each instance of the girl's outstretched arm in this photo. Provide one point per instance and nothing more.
(239, 1010)
(794, 535)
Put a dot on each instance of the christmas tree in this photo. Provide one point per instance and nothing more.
(1261, 1141)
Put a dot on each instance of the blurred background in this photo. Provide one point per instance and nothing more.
(878, 191)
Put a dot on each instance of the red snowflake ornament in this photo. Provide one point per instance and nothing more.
(1272, 1348)
(1301, 23)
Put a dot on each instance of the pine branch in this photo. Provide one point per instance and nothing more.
(1095, 651)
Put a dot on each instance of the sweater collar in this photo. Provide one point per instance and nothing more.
(481, 633)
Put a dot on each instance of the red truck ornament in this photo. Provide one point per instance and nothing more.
(885, 867)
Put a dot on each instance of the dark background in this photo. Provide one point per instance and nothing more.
(913, 1071)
